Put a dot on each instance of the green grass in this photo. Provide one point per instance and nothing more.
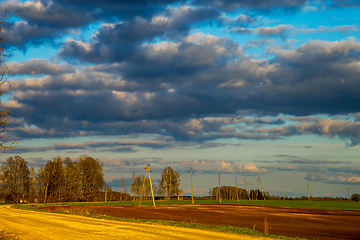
(221, 228)
(334, 205)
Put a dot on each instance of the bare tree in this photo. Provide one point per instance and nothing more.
(170, 182)
(50, 180)
(91, 178)
(122, 184)
(15, 180)
(71, 180)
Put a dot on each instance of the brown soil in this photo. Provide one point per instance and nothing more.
(291, 222)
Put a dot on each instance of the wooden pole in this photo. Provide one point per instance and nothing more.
(257, 188)
(142, 189)
(122, 183)
(308, 192)
(348, 193)
(247, 189)
(219, 190)
(237, 192)
(192, 193)
(262, 188)
(152, 192)
(284, 195)
(106, 194)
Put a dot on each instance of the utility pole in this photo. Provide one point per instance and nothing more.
(237, 192)
(284, 195)
(152, 192)
(257, 188)
(308, 192)
(192, 193)
(147, 169)
(106, 194)
(143, 186)
(247, 189)
(262, 188)
(219, 190)
(122, 183)
(348, 193)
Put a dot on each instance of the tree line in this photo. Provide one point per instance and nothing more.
(75, 181)
(233, 193)
(56, 181)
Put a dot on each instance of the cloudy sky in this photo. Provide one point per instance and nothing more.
(244, 88)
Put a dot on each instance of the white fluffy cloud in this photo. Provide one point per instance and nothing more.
(249, 168)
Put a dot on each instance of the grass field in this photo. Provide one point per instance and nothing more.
(335, 205)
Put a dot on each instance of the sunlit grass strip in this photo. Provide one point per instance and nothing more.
(221, 228)
(333, 205)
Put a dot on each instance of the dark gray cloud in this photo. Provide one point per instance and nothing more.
(122, 9)
(347, 130)
(42, 22)
(298, 160)
(22, 33)
(279, 30)
(37, 66)
(100, 146)
(344, 29)
(282, 31)
(333, 178)
(240, 20)
(175, 88)
(123, 41)
(43, 13)
(45, 21)
(260, 5)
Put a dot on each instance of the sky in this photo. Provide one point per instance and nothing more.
(247, 89)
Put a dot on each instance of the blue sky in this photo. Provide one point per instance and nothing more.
(243, 88)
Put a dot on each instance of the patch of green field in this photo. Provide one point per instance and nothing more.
(334, 205)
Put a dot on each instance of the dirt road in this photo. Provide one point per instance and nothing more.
(39, 225)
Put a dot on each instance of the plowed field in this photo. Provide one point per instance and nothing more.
(292, 222)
